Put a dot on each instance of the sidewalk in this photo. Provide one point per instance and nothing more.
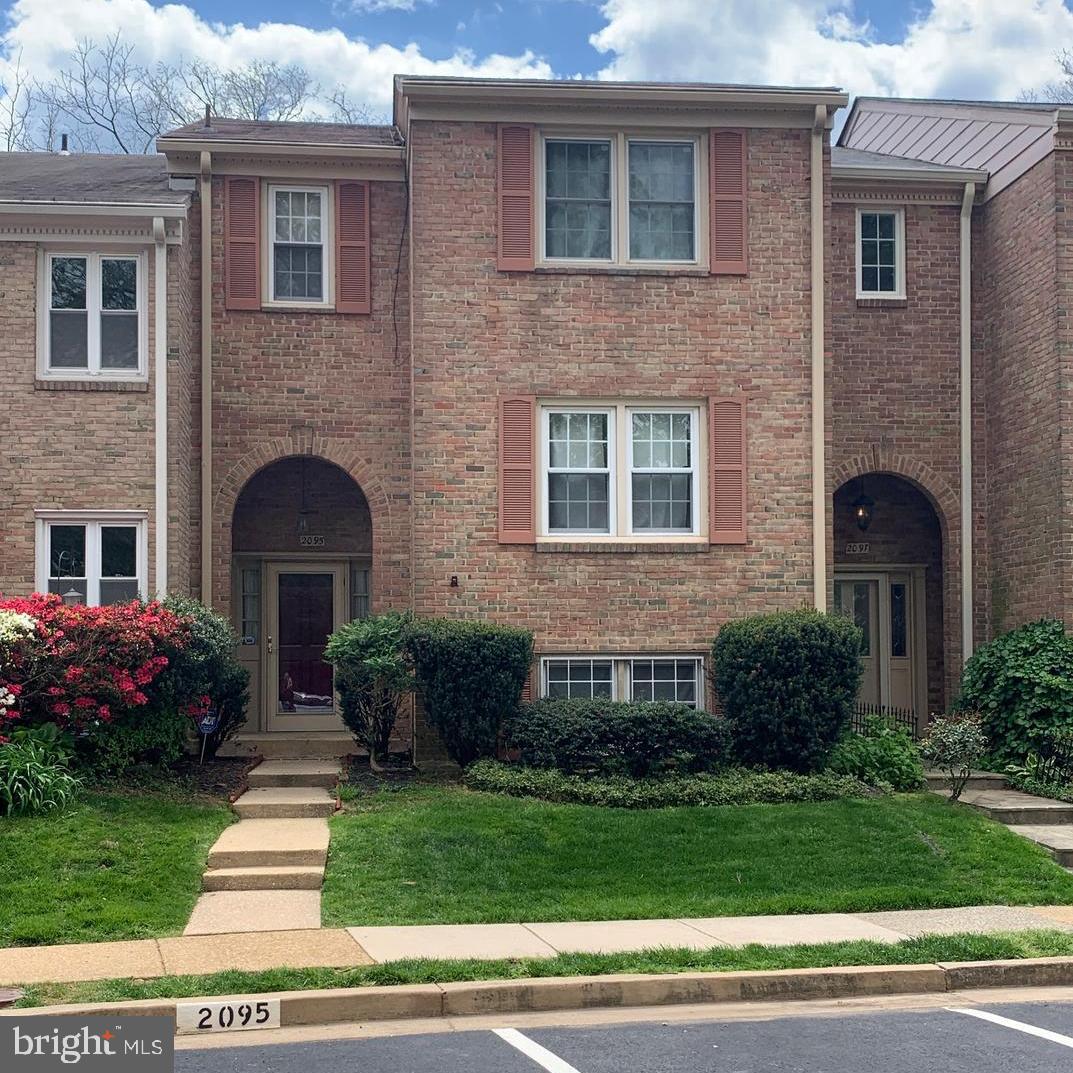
(350, 947)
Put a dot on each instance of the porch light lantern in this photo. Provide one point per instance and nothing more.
(72, 597)
(862, 510)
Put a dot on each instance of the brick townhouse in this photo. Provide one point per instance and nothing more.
(616, 362)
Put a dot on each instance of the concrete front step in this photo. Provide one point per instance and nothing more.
(1056, 839)
(286, 877)
(978, 780)
(223, 912)
(1012, 807)
(288, 746)
(285, 802)
(271, 844)
(324, 773)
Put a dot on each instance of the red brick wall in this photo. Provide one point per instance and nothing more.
(67, 446)
(321, 383)
(895, 389)
(1018, 302)
(479, 333)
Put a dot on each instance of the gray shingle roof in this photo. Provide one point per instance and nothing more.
(86, 177)
(288, 133)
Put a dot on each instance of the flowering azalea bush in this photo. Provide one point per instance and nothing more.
(80, 665)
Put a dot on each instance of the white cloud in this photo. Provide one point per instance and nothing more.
(387, 5)
(953, 48)
(45, 32)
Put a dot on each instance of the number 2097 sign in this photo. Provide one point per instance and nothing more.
(236, 1015)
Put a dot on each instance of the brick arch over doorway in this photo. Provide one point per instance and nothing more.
(390, 527)
(934, 493)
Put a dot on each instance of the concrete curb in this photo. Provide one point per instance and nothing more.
(430, 1001)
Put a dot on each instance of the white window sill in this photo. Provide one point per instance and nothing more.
(604, 268)
(305, 307)
(879, 296)
(47, 382)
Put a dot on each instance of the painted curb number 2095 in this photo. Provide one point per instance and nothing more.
(234, 1016)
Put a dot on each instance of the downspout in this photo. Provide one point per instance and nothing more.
(160, 416)
(966, 420)
(819, 465)
(206, 378)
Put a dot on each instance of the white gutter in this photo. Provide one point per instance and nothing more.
(160, 415)
(91, 208)
(206, 378)
(966, 420)
(819, 463)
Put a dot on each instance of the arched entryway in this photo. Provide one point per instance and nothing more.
(888, 576)
(301, 545)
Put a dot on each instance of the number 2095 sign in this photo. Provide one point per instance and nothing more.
(236, 1015)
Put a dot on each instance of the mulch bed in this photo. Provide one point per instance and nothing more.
(219, 780)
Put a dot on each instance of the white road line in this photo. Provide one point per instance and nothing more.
(541, 1055)
(1020, 1026)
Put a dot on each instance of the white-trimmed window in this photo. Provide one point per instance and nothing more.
(880, 253)
(621, 471)
(618, 199)
(93, 316)
(299, 245)
(102, 556)
(664, 678)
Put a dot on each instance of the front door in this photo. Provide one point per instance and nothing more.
(306, 602)
(888, 607)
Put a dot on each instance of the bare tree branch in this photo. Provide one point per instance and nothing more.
(344, 110)
(1057, 92)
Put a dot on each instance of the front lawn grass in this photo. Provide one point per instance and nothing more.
(927, 950)
(113, 867)
(445, 855)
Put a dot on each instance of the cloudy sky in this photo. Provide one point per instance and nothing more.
(953, 48)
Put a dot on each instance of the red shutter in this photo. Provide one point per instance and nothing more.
(242, 243)
(517, 470)
(728, 182)
(515, 243)
(353, 268)
(527, 688)
(726, 466)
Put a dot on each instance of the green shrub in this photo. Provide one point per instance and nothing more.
(1022, 685)
(372, 676)
(470, 677)
(606, 737)
(155, 735)
(787, 682)
(619, 791)
(955, 745)
(884, 755)
(34, 776)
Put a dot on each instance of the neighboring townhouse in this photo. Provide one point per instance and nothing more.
(614, 362)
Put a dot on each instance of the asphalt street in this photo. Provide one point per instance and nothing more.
(915, 1041)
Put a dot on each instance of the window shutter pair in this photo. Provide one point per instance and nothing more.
(728, 242)
(518, 470)
(242, 245)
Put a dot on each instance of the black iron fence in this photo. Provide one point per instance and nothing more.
(905, 718)
(1055, 754)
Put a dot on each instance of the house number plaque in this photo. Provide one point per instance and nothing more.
(858, 548)
(311, 540)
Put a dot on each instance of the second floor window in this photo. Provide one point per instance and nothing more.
(620, 200)
(656, 449)
(95, 315)
(298, 228)
(880, 254)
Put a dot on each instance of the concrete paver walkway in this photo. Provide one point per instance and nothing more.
(265, 872)
(341, 948)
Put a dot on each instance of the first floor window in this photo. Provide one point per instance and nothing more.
(103, 561)
(298, 226)
(880, 254)
(94, 314)
(585, 494)
(661, 678)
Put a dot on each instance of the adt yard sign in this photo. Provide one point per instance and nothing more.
(206, 722)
